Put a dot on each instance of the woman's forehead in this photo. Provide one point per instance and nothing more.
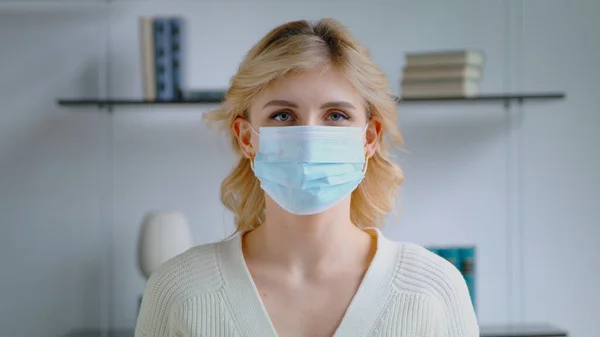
(309, 88)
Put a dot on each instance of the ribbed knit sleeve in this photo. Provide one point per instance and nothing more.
(155, 311)
(459, 312)
(187, 278)
(443, 287)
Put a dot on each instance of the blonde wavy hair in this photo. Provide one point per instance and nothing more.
(301, 46)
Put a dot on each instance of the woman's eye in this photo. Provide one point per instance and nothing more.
(282, 116)
(337, 116)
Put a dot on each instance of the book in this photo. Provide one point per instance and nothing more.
(451, 72)
(463, 258)
(177, 56)
(163, 60)
(146, 36)
(452, 254)
(434, 250)
(458, 57)
(449, 88)
(467, 269)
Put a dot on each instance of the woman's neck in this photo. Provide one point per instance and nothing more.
(309, 243)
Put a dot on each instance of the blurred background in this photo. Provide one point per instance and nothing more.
(516, 177)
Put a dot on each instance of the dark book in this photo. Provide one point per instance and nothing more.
(177, 56)
(163, 59)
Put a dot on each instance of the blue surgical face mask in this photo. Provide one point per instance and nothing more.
(308, 169)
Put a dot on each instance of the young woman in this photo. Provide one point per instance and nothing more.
(312, 119)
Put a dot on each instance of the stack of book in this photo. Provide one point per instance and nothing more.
(442, 74)
(161, 42)
(463, 258)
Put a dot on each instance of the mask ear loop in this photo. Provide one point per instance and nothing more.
(252, 158)
(366, 164)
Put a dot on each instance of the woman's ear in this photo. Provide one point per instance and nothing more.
(243, 133)
(372, 137)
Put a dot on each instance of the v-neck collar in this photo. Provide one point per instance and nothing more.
(360, 318)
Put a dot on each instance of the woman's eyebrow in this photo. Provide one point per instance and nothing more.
(338, 104)
(280, 102)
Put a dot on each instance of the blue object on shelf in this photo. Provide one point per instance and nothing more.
(178, 52)
(467, 269)
(452, 254)
(163, 60)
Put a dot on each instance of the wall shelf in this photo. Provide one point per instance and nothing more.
(490, 98)
(503, 98)
(110, 103)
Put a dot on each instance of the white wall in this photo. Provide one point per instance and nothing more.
(522, 191)
(53, 170)
(561, 165)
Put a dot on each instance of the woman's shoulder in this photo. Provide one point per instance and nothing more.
(192, 273)
(185, 277)
(426, 274)
(433, 281)
(422, 271)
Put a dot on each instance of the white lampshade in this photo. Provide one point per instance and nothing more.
(163, 236)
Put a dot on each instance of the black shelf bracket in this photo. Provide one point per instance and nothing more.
(507, 102)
